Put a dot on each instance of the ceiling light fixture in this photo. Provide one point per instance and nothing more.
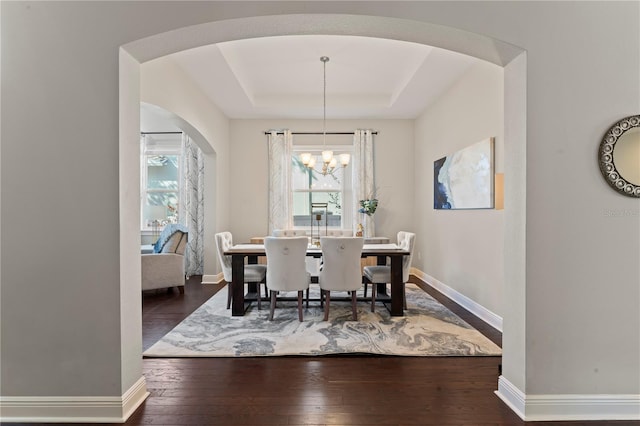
(328, 160)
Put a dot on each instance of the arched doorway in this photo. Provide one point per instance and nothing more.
(505, 55)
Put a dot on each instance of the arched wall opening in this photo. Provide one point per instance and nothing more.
(174, 120)
(159, 116)
(512, 58)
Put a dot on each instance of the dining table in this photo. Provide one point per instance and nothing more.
(249, 253)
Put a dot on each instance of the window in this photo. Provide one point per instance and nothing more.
(310, 186)
(161, 158)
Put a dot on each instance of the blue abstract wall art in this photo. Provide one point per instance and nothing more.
(464, 179)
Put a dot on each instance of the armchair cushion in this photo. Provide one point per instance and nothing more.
(172, 243)
(182, 246)
(166, 234)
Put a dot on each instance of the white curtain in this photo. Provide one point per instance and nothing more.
(280, 195)
(193, 204)
(363, 178)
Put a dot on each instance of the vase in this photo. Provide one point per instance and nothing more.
(369, 227)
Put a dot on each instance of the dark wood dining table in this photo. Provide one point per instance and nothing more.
(241, 253)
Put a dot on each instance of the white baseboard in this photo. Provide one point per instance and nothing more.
(475, 308)
(73, 409)
(133, 397)
(543, 407)
(512, 396)
(213, 279)
(537, 408)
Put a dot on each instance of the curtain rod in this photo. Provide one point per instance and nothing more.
(160, 133)
(319, 133)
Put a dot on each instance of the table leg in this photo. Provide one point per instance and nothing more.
(237, 271)
(397, 286)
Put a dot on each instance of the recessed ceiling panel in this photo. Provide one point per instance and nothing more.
(280, 77)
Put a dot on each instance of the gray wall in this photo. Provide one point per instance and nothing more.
(463, 249)
(60, 259)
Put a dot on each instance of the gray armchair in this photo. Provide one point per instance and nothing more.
(166, 268)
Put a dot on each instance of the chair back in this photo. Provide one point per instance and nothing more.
(289, 233)
(339, 233)
(406, 241)
(224, 241)
(286, 266)
(341, 263)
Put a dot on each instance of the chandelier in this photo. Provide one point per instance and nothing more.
(329, 162)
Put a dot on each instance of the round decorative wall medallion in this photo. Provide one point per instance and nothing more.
(617, 156)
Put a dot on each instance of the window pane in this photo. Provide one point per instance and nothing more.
(162, 172)
(160, 206)
(304, 178)
(302, 201)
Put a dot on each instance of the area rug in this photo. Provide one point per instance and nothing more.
(427, 329)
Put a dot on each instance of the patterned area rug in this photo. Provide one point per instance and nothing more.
(427, 329)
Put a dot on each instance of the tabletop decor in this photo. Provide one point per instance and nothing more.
(318, 212)
(367, 207)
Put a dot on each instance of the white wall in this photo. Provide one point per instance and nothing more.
(393, 150)
(463, 249)
(165, 84)
(130, 267)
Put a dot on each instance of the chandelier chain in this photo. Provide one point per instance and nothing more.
(324, 60)
(328, 160)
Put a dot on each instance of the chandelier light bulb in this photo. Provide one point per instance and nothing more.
(305, 157)
(327, 156)
(312, 162)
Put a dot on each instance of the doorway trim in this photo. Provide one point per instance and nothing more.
(511, 57)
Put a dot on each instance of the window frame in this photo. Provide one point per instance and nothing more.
(346, 190)
(145, 152)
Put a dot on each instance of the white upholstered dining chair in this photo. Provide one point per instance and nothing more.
(340, 269)
(289, 233)
(286, 268)
(313, 264)
(381, 274)
(339, 232)
(252, 273)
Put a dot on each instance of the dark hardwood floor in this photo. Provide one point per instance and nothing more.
(352, 390)
(345, 390)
